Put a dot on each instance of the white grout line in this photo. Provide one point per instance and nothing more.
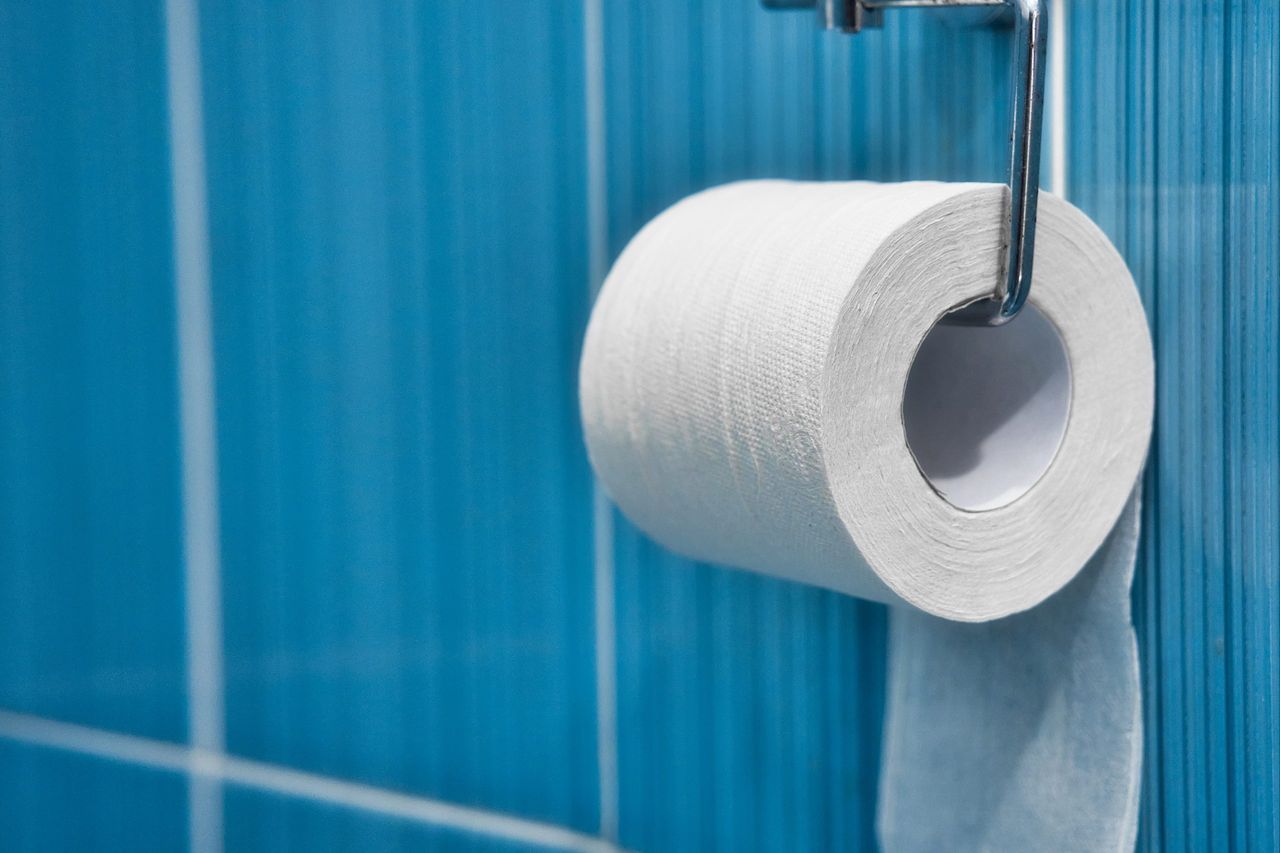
(602, 513)
(1058, 98)
(217, 769)
(606, 666)
(196, 401)
(155, 754)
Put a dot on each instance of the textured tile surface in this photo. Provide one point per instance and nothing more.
(52, 800)
(1175, 152)
(399, 288)
(90, 556)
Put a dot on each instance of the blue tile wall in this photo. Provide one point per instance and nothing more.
(90, 540)
(1175, 151)
(399, 238)
(399, 287)
(53, 800)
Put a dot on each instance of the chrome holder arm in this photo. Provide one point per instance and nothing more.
(1030, 41)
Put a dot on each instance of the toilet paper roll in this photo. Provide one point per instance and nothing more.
(764, 385)
(744, 389)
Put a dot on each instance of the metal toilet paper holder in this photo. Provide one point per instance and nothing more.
(1014, 286)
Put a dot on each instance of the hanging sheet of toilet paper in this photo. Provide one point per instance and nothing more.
(744, 389)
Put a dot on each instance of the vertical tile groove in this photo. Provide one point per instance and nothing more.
(196, 413)
(602, 511)
(1058, 71)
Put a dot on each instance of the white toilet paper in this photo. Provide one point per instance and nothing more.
(1020, 734)
(763, 386)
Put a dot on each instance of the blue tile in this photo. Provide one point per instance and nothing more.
(91, 586)
(262, 820)
(749, 709)
(53, 800)
(1174, 150)
(399, 290)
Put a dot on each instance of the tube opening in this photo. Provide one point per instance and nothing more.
(985, 408)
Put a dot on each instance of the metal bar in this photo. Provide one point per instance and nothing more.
(1024, 175)
(1030, 42)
